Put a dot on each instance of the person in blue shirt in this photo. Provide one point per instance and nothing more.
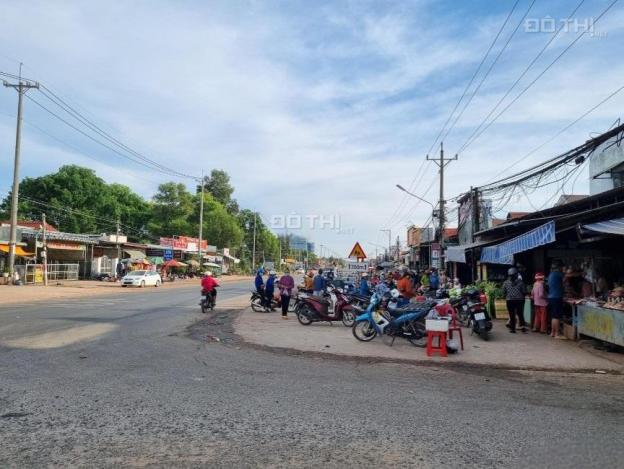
(364, 287)
(269, 290)
(319, 283)
(259, 283)
(555, 299)
(434, 280)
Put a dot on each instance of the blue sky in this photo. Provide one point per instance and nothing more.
(314, 108)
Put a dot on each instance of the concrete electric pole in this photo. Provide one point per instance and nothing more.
(201, 222)
(44, 253)
(389, 242)
(21, 87)
(253, 255)
(441, 162)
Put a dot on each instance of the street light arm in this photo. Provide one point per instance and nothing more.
(414, 195)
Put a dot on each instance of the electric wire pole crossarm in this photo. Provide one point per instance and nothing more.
(441, 162)
(21, 87)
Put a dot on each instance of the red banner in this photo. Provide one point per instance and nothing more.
(183, 242)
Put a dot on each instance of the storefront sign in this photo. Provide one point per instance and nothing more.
(154, 252)
(183, 242)
(167, 254)
(66, 246)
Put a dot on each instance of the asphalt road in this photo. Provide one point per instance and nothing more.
(117, 380)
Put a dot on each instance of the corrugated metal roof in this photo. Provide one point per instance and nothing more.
(61, 236)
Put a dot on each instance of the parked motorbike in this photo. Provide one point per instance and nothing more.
(310, 308)
(406, 322)
(480, 320)
(258, 303)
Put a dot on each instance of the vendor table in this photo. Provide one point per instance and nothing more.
(601, 323)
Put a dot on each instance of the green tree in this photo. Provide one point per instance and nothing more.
(172, 210)
(218, 184)
(78, 201)
(220, 228)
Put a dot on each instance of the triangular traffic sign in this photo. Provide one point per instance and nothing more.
(357, 252)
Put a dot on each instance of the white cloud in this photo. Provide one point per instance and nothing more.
(313, 109)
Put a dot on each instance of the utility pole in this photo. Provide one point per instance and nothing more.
(22, 87)
(201, 222)
(253, 256)
(441, 162)
(389, 241)
(118, 246)
(44, 253)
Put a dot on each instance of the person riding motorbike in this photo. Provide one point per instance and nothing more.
(209, 284)
(269, 290)
(259, 283)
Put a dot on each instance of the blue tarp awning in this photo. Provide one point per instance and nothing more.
(503, 253)
(615, 226)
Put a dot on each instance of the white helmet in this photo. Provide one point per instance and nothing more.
(208, 273)
(272, 273)
(394, 293)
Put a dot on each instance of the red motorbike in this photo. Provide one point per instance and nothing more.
(333, 306)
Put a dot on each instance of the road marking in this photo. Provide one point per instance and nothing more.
(60, 338)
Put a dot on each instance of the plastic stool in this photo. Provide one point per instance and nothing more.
(441, 347)
(453, 326)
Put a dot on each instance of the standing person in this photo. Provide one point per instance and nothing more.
(308, 282)
(319, 283)
(364, 287)
(444, 280)
(424, 280)
(269, 291)
(286, 285)
(538, 294)
(555, 299)
(434, 280)
(405, 285)
(515, 291)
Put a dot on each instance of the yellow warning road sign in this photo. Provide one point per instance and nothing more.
(357, 252)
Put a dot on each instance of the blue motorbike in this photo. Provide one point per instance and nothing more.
(406, 322)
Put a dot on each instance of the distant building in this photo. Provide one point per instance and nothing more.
(606, 166)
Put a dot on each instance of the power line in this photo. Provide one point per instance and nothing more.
(541, 74)
(487, 73)
(525, 71)
(474, 75)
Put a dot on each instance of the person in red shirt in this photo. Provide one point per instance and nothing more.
(209, 284)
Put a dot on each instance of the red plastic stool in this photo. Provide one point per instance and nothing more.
(453, 326)
(441, 347)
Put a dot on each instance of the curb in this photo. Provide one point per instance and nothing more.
(370, 359)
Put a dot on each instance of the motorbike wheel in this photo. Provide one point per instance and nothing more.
(463, 318)
(348, 318)
(204, 306)
(419, 335)
(483, 333)
(303, 319)
(256, 305)
(364, 331)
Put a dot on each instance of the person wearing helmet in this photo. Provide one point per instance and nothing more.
(209, 284)
(269, 290)
(364, 287)
(259, 283)
(405, 284)
(515, 291)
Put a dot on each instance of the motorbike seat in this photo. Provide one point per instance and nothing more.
(320, 299)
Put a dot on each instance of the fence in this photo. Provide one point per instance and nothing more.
(33, 273)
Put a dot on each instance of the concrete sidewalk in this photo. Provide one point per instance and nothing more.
(11, 294)
(529, 351)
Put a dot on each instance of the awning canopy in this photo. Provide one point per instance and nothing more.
(173, 263)
(156, 260)
(503, 253)
(19, 251)
(615, 226)
(193, 263)
(135, 254)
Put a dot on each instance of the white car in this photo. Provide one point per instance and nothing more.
(141, 278)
